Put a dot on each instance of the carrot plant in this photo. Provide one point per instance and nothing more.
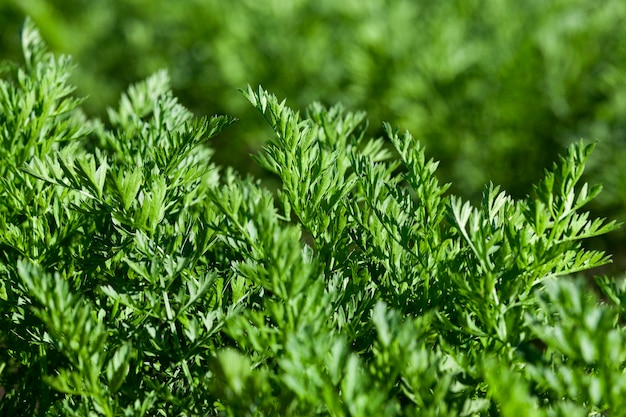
(139, 278)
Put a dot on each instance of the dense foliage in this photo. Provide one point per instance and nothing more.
(139, 278)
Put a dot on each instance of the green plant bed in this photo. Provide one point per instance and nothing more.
(139, 278)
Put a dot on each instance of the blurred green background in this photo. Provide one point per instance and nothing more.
(495, 90)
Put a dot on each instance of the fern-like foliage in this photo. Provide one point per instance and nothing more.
(137, 278)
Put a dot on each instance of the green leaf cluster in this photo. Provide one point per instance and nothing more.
(139, 278)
